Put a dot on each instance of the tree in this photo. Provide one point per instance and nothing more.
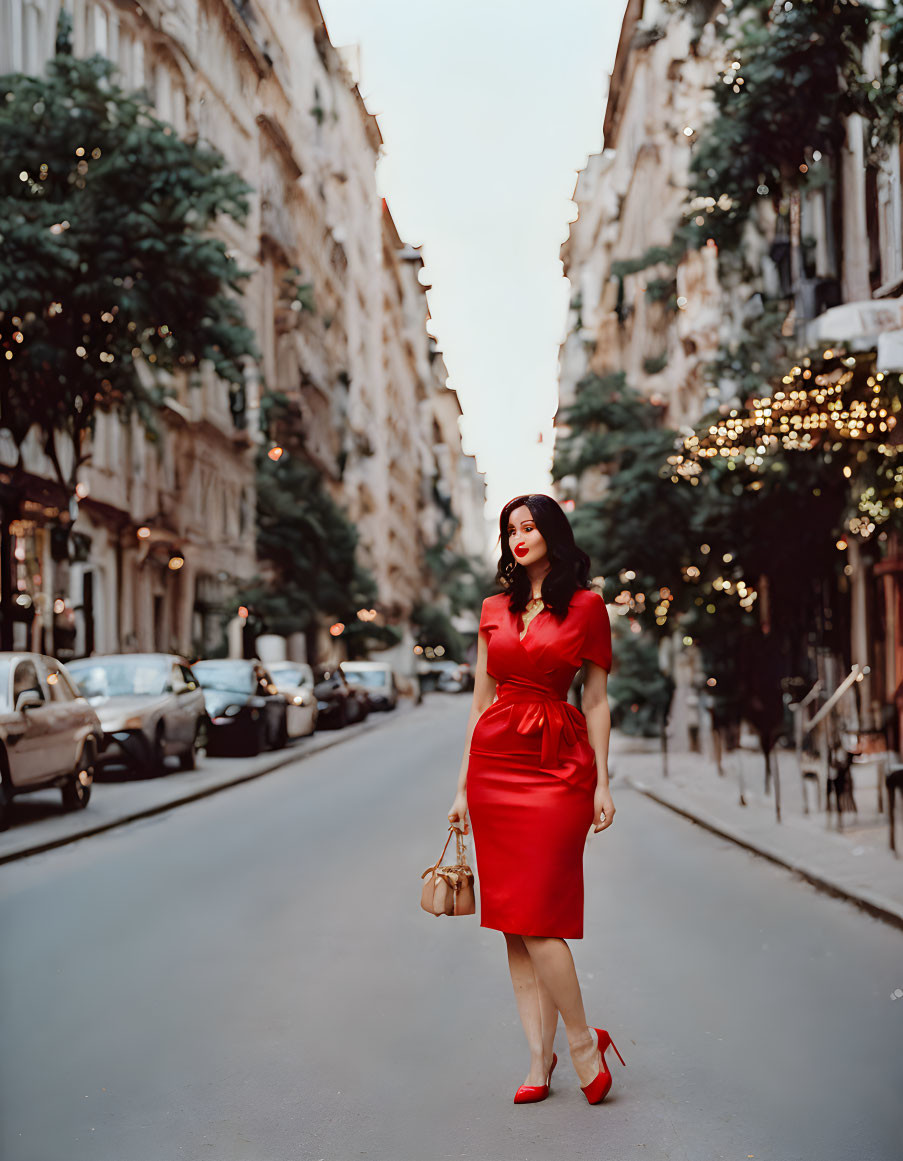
(305, 542)
(640, 693)
(108, 269)
(640, 525)
(714, 545)
(794, 73)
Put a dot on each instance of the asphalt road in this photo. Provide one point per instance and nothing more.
(250, 978)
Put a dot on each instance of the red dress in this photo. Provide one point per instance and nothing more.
(531, 776)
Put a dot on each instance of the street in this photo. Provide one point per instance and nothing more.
(250, 978)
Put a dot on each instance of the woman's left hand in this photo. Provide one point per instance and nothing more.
(603, 808)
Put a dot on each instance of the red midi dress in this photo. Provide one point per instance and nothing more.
(531, 775)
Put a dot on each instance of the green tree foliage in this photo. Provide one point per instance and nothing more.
(306, 543)
(108, 268)
(463, 580)
(434, 627)
(884, 97)
(640, 693)
(744, 562)
(755, 359)
(641, 521)
(794, 73)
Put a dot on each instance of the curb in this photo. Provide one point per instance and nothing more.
(285, 759)
(878, 910)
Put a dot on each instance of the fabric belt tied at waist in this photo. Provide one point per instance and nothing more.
(544, 711)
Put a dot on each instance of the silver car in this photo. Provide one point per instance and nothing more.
(377, 679)
(150, 705)
(49, 735)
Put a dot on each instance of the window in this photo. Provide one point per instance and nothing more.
(26, 680)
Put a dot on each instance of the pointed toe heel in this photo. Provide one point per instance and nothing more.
(597, 1089)
(529, 1094)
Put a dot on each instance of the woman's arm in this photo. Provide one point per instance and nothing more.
(598, 729)
(483, 697)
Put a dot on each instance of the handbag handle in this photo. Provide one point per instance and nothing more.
(459, 843)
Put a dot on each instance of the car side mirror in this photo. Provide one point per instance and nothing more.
(28, 699)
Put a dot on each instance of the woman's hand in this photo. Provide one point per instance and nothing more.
(603, 809)
(458, 813)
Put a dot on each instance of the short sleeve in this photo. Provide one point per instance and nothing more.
(489, 618)
(597, 641)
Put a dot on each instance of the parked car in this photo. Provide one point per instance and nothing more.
(49, 735)
(376, 679)
(445, 675)
(339, 703)
(247, 712)
(150, 706)
(295, 681)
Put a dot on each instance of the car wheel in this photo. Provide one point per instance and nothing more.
(157, 762)
(6, 802)
(281, 733)
(188, 759)
(76, 793)
(258, 738)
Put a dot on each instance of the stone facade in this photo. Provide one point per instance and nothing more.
(335, 303)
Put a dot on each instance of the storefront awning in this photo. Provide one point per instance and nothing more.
(890, 352)
(859, 324)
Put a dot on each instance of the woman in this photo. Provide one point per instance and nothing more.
(534, 777)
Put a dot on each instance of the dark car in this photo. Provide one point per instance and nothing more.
(338, 703)
(247, 713)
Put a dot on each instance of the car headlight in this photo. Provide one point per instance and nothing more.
(298, 700)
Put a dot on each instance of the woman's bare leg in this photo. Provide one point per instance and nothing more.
(554, 968)
(535, 1007)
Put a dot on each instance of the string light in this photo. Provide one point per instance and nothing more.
(835, 403)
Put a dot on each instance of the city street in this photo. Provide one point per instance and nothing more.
(249, 978)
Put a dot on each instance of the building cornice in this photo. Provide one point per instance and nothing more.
(279, 138)
(619, 88)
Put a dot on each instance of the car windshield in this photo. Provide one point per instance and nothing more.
(372, 678)
(230, 676)
(121, 676)
(290, 675)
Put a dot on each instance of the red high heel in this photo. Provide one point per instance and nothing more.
(597, 1090)
(527, 1094)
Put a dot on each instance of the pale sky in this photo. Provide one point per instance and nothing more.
(488, 109)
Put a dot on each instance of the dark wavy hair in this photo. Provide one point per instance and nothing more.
(570, 565)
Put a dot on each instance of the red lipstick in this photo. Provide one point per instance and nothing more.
(521, 549)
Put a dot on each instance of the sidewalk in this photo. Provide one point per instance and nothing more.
(855, 864)
(40, 823)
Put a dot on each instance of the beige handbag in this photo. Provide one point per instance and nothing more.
(449, 890)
